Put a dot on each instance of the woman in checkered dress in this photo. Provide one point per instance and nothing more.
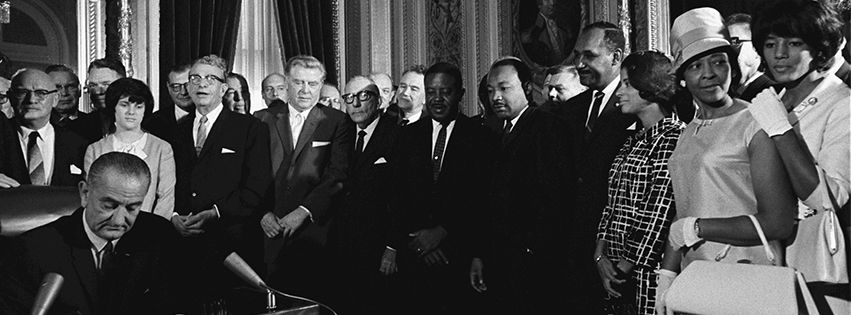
(634, 224)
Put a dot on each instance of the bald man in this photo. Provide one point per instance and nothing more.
(274, 87)
(45, 155)
(385, 87)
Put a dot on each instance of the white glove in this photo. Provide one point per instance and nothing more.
(682, 233)
(664, 279)
(770, 113)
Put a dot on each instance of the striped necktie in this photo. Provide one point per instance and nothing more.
(35, 160)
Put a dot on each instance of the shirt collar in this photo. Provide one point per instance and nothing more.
(371, 127)
(515, 119)
(97, 241)
(212, 115)
(179, 112)
(294, 112)
(610, 89)
(43, 132)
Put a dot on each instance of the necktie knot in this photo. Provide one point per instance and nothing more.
(33, 138)
(405, 122)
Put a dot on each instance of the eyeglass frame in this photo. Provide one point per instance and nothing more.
(20, 94)
(3, 98)
(350, 99)
(737, 42)
(178, 87)
(71, 88)
(208, 79)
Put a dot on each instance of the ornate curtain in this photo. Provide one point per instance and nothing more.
(258, 47)
(307, 29)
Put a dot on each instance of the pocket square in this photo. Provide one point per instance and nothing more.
(317, 144)
(226, 150)
(380, 160)
(76, 170)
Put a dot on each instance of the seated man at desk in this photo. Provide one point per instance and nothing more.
(115, 259)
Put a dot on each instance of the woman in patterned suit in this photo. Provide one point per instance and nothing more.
(634, 224)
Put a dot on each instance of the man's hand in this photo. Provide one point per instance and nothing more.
(477, 278)
(292, 221)
(198, 220)
(270, 225)
(388, 262)
(8, 182)
(436, 257)
(178, 222)
(608, 274)
(427, 240)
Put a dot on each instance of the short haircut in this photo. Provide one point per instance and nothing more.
(562, 69)
(613, 35)
(484, 96)
(305, 61)
(814, 22)
(419, 69)
(447, 68)
(178, 68)
(137, 92)
(246, 92)
(109, 63)
(522, 69)
(738, 18)
(215, 61)
(649, 73)
(60, 68)
(123, 163)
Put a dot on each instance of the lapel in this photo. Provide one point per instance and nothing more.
(451, 159)
(184, 139)
(519, 127)
(381, 138)
(218, 127)
(609, 111)
(82, 260)
(310, 124)
(284, 146)
(61, 158)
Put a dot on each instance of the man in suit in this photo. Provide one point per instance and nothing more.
(358, 233)
(753, 81)
(385, 86)
(101, 73)
(114, 258)
(44, 154)
(68, 85)
(309, 150)
(274, 88)
(6, 110)
(410, 96)
(524, 245)
(599, 129)
(438, 167)
(162, 122)
(222, 167)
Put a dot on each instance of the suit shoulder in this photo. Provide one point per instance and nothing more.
(332, 113)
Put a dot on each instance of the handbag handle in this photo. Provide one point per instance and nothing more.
(768, 252)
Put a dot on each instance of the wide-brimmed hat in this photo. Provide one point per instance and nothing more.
(695, 32)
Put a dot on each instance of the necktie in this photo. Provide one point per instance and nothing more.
(36, 162)
(506, 131)
(106, 258)
(404, 122)
(359, 144)
(202, 135)
(439, 146)
(298, 122)
(595, 110)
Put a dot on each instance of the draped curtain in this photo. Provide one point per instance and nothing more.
(258, 47)
(190, 29)
(307, 29)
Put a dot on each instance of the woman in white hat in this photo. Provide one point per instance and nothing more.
(725, 166)
(808, 120)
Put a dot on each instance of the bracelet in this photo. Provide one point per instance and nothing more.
(597, 259)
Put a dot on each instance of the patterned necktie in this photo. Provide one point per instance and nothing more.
(36, 161)
(595, 110)
(296, 128)
(359, 144)
(202, 135)
(439, 146)
(506, 131)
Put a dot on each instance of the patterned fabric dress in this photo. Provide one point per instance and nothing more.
(641, 205)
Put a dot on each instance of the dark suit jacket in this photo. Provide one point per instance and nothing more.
(311, 175)
(231, 172)
(68, 150)
(162, 123)
(139, 284)
(758, 84)
(455, 199)
(55, 118)
(91, 127)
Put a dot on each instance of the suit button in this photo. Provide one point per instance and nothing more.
(288, 187)
(579, 180)
(194, 194)
(528, 251)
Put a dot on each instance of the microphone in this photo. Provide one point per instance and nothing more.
(47, 293)
(238, 266)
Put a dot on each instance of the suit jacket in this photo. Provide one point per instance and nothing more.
(232, 172)
(162, 123)
(758, 84)
(55, 118)
(455, 199)
(68, 151)
(311, 175)
(139, 284)
(92, 127)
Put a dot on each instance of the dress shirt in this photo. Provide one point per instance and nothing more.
(211, 119)
(515, 119)
(370, 129)
(46, 144)
(98, 243)
(435, 130)
(179, 113)
(293, 113)
(413, 118)
(609, 91)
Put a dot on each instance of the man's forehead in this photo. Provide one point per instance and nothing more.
(274, 80)
(29, 79)
(176, 77)
(205, 69)
(63, 77)
(740, 30)
(99, 74)
(305, 74)
(413, 78)
(590, 40)
(358, 85)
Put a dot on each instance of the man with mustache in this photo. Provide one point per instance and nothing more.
(438, 167)
(101, 73)
(115, 258)
(410, 96)
(44, 154)
(68, 85)
(162, 122)
(521, 252)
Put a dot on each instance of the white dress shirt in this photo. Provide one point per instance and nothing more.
(294, 113)
(179, 113)
(211, 119)
(515, 119)
(46, 144)
(370, 129)
(98, 243)
(435, 131)
(609, 91)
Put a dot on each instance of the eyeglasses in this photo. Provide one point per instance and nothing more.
(68, 87)
(328, 100)
(97, 85)
(3, 98)
(39, 95)
(737, 42)
(177, 87)
(363, 96)
(195, 79)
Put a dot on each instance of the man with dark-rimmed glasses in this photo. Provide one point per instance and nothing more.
(46, 155)
(69, 90)
(101, 73)
(162, 122)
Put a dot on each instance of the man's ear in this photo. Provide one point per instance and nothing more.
(527, 88)
(84, 192)
(617, 57)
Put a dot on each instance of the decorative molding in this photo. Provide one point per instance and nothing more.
(337, 19)
(125, 46)
(444, 32)
(91, 39)
(625, 24)
(380, 35)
